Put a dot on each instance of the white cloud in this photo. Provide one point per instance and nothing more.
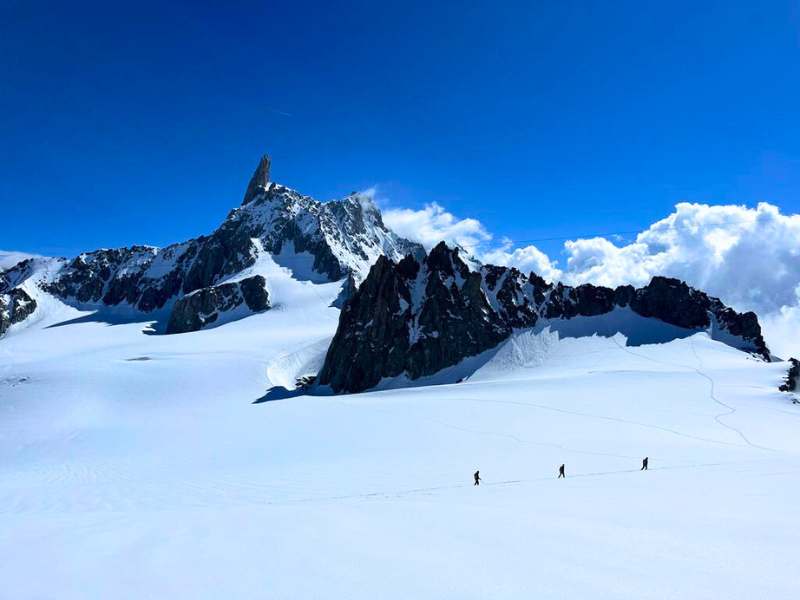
(433, 224)
(526, 259)
(749, 257)
(782, 331)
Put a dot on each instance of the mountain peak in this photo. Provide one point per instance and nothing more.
(259, 181)
(415, 318)
(192, 281)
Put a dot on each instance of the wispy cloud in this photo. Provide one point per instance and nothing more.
(279, 112)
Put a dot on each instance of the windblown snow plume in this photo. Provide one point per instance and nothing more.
(10, 258)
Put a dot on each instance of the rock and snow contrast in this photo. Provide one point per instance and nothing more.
(415, 318)
(137, 466)
(15, 306)
(197, 283)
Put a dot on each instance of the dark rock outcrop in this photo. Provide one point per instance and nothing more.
(205, 306)
(202, 307)
(17, 274)
(790, 384)
(348, 290)
(15, 306)
(255, 293)
(418, 316)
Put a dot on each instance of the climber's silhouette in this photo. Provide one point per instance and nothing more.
(645, 462)
(561, 472)
(477, 477)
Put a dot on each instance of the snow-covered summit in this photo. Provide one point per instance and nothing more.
(343, 236)
(317, 241)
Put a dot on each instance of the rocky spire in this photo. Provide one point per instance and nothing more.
(259, 180)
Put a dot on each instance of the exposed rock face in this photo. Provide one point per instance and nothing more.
(259, 181)
(348, 291)
(105, 276)
(17, 274)
(15, 306)
(255, 293)
(790, 385)
(416, 317)
(344, 237)
(205, 306)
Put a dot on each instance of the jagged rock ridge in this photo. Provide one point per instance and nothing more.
(15, 307)
(793, 374)
(16, 304)
(344, 237)
(418, 316)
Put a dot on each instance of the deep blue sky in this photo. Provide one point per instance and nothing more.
(130, 123)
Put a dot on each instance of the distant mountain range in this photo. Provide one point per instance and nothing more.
(404, 313)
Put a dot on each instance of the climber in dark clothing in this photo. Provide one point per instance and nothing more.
(561, 472)
(477, 477)
(645, 462)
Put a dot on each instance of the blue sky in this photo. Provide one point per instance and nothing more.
(142, 123)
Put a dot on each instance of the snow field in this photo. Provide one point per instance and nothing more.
(136, 466)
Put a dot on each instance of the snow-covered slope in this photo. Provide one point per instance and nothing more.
(136, 466)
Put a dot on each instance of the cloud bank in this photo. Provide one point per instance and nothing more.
(432, 224)
(749, 257)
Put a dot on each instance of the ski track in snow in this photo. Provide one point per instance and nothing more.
(718, 418)
(730, 409)
(388, 495)
(604, 418)
(530, 442)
